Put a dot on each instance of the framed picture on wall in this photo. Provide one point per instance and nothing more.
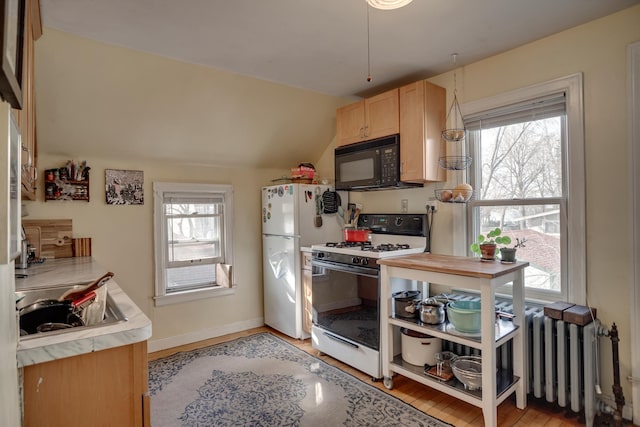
(124, 187)
(12, 18)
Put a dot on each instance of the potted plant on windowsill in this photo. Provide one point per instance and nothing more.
(486, 246)
(508, 255)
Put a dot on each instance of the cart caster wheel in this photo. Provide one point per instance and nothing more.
(388, 382)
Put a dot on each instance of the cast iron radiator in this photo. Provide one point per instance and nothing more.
(561, 360)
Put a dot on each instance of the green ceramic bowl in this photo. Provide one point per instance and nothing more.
(464, 316)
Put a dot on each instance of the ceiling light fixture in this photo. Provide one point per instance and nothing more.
(388, 4)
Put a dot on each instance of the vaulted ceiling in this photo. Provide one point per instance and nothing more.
(321, 45)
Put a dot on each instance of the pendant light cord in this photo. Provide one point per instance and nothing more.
(369, 78)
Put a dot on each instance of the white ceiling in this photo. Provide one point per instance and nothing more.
(321, 45)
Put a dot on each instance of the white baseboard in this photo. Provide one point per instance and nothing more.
(205, 334)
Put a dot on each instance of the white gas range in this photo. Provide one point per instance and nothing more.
(380, 246)
(391, 235)
(346, 284)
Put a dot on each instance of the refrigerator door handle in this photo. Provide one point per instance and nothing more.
(280, 235)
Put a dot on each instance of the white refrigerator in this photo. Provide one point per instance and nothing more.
(290, 221)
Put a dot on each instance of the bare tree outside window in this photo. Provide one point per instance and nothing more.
(519, 188)
(527, 172)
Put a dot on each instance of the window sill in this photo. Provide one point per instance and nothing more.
(193, 295)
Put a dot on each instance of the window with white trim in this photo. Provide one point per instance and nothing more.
(528, 177)
(192, 228)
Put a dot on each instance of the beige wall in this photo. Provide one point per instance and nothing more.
(123, 238)
(599, 51)
(177, 122)
(102, 99)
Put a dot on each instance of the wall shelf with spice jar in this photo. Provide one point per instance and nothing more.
(70, 182)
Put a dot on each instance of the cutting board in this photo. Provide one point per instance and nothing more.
(56, 237)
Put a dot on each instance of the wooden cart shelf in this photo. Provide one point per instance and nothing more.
(505, 382)
(505, 330)
(462, 273)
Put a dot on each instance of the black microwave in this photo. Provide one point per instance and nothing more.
(369, 165)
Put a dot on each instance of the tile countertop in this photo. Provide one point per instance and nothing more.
(70, 271)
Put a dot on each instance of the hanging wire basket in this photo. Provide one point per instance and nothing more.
(455, 163)
(453, 195)
(456, 132)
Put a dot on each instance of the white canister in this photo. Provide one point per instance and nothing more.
(418, 348)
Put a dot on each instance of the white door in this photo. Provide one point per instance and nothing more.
(282, 286)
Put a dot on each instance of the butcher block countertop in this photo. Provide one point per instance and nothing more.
(458, 265)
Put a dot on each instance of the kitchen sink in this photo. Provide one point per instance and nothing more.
(112, 314)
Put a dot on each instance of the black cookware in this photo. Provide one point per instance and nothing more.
(66, 310)
(48, 311)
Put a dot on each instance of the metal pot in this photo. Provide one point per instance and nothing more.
(353, 235)
(48, 311)
(405, 304)
(38, 316)
(432, 312)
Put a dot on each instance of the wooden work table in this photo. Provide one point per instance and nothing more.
(461, 273)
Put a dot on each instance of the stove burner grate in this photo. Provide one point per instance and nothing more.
(385, 247)
(368, 247)
(350, 245)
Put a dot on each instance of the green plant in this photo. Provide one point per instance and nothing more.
(493, 237)
(519, 243)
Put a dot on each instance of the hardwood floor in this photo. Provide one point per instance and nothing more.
(426, 399)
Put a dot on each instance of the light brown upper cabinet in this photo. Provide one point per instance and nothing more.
(369, 119)
(26, 117)
(422, 119)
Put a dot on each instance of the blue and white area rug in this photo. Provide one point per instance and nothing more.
(261, 380)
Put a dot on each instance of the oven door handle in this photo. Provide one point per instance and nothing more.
(340, 340)
(352, 269)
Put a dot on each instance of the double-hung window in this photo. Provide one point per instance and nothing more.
(528, 177)
(193, 240)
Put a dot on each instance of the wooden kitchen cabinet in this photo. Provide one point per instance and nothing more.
(422, 119)
(102, 388)
(26, 117)
(370, 118)
(306, 291)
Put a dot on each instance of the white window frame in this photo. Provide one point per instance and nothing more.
(162, 297)
(574, 165)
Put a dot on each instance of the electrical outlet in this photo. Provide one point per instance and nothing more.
(432, 207)
(404, 205)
